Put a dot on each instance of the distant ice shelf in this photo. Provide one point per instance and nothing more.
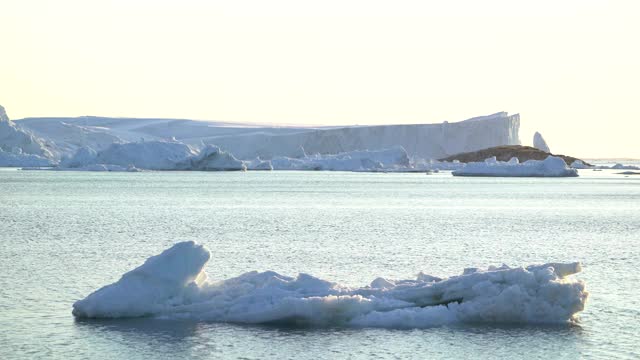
(173, 285)
(250, 141)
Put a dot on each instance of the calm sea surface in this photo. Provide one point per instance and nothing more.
(64, 234)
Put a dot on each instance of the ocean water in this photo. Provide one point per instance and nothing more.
(65, 234)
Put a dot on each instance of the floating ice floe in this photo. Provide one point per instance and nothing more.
(173, 285)
(552, 166)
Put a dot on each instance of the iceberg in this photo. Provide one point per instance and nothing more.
(579, 164)
(258, 164)
(19, 147)
(552, 166)
(173, 285)
(19, 159)
(395, 158)
(249, 141)
(539, 143)
(211, 158)
(619, 166)
(152, 155)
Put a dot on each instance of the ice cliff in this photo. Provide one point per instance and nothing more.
(427, 141)
(174, 285)
(251, 141)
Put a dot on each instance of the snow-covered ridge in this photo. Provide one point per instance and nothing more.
(552, 166)
(174, 285)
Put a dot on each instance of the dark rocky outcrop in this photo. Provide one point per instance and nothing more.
(506, 152)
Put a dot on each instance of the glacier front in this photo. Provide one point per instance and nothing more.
(250, 141)
(173, 285)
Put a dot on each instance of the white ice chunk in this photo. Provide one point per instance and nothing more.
(552, 166)
(173, 285)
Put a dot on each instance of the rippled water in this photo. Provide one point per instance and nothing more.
(64, 234)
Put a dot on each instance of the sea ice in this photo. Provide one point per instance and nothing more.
(174, 285)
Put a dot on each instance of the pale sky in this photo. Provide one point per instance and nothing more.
(570, 68)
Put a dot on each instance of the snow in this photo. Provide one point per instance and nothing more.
(539, 143)
(249, 141)
(173, 285)
(552, 166)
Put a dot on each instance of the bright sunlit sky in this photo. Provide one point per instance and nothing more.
(570, 68)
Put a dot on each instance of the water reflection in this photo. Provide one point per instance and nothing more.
(172, 338)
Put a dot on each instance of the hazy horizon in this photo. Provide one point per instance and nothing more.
(568, 68)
